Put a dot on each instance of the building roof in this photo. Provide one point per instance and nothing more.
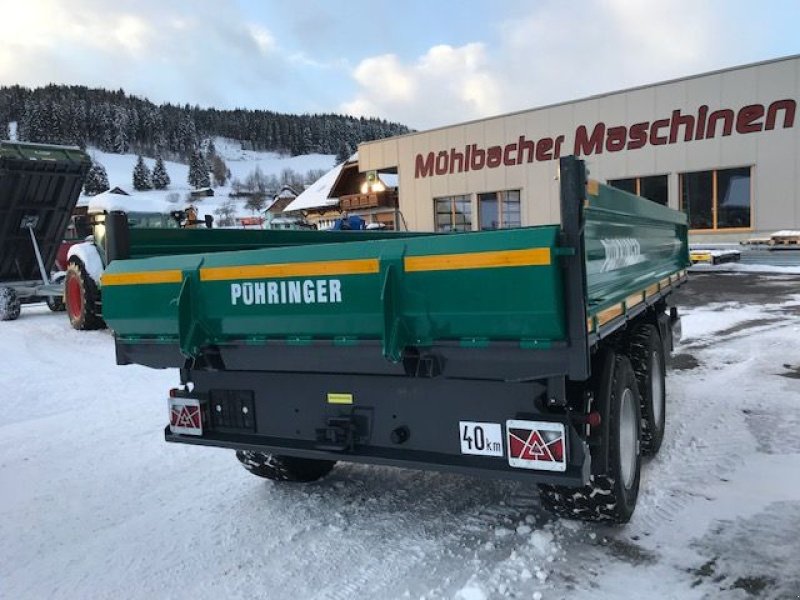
(287, 191)
(316, 195)
(390, 180)
(584, 99)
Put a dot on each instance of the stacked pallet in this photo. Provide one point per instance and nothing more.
(785, 237)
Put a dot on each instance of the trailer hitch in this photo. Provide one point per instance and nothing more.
(338, 436)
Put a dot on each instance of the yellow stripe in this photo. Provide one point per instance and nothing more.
(363, 266)
(340, 398)
(145, 277)
(592, 187)
(604, 316)
(634, 299)
(615, 311)
(478, 260)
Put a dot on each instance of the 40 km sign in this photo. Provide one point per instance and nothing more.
(483, 439)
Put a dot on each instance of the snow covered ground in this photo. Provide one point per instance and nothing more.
(240, 162)
(94, 504)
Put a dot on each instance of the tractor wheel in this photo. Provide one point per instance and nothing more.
(610, 496)
(82, 298)
(9, 304)
(647, 358)
(284, 468)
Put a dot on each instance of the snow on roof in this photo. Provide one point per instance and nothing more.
(316, 195)
(287, 192)
(389, 179)
(140, 202)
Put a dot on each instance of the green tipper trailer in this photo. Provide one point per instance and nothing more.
(39, 187)
(534, 353)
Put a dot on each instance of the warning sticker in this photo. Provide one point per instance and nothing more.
(536, 445)
(185, 416)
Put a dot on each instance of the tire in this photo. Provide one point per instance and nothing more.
(56, 303)
(9, 304)
(609, 497)
(647, 359)
(82, 298)
(284, 468)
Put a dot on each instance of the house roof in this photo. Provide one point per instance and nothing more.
(287, 192)
(390, 180)
(316, 195)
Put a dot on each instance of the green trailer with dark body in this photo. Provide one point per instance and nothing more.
(39, 187)
(534, 353)
(123, 234)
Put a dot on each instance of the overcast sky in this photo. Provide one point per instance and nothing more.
(423, 63)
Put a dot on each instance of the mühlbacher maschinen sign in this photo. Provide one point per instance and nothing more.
(602, 138)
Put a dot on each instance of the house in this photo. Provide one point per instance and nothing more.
(315, 202)
(343, 188)
(202, 193)
(281, 200)
(371, 196)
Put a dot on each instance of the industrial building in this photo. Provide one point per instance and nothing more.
(722, 146)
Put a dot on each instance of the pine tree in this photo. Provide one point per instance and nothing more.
(198, 171)
(344, 153)
(219, 169)
(160, 176)
(142, 178)
(120, 142)
(116, 122)
(211, 151)
(96, 180)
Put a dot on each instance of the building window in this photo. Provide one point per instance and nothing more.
(453, 213)
(717, 199)
(499, 210)
(653, 188)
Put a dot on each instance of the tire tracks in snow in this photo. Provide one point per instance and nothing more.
(702, 444)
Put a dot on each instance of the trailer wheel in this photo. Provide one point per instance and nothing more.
(284, 468)
(56, 303)
(9, 304)
(612, 495)
(647, 358)
(82, 298)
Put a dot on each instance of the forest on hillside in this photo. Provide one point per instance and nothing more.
(114, 121)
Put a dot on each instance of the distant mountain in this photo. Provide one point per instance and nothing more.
(120, 123)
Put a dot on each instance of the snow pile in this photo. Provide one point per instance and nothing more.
(747, 268)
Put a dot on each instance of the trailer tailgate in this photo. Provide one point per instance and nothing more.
(470, 288)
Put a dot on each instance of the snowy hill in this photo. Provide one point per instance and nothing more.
(241, 163)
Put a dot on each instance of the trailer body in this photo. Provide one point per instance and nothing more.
(39, 187)
(406, 350)
(123, 234)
